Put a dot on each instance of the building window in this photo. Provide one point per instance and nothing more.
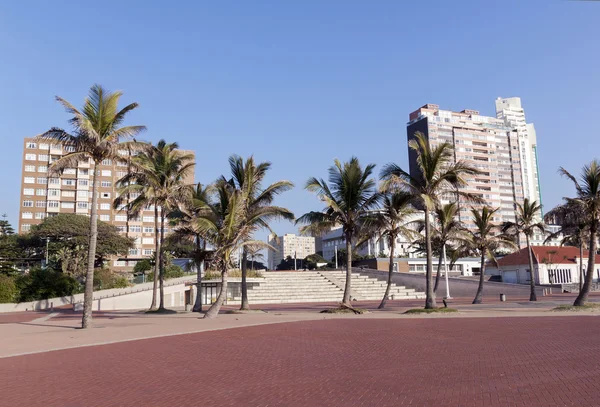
(133, 252)
(148, 229)
(53, 181)
(82, 194)
(134, 228)
(40, 215)
(30, 157)
(148, 240)
(122, 229)
(105, 195)
(25, 228)
(148, 252)
(69, 182)
(44, 146)
(106, 184)
(106, 162)
(82, 205)
(40, 204)
(105, 218)
(106, 173)
(54, 192)
(28, 204)
(43, 157)
(83, 182)
(27, 215)
(69, 149)
(42, 180)
(69, 194)
(28, 191)
(31, 144)
(84, 171)
(68, 205)
(43, 168)
(70, 171)
(148, 218)
(29, 180)
(30, 168)
(121, 218)
(121, 174)
(53, 204)
(105, 206)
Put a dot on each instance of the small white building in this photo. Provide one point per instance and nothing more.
(552, 265)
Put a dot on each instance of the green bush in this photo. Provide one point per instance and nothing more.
(105, 279)
(9, 292)
(237, 273)
(171, 271)
(41, 284)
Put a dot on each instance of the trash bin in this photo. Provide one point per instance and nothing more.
(502, 297)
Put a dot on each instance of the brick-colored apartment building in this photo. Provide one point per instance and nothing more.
(44, 194)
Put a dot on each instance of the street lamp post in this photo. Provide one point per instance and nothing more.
(336, 265)
(47, 244)
(446, 272)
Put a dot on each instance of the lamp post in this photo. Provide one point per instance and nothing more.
(336, 265)
(446, 272)
(295, 255)
(47, 243)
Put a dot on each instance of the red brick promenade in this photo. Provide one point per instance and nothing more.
(526, 361)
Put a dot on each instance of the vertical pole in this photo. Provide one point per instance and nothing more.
(336, 265)
(47, 242)
(295, 265)
(446, 272)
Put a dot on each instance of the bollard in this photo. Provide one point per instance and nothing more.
(502, 297)
(51, 307)
(187, 306)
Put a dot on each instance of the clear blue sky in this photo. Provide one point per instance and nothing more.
(301, 83)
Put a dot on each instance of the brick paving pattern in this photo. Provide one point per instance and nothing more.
(548, 361)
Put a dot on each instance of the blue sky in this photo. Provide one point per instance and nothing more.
(301, 83)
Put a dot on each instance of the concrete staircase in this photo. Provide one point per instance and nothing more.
(370, 288)
(279, 287)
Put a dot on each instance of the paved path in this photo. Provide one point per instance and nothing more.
(528, 361)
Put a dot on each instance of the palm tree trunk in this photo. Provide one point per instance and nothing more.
(580, 261)
(245, 305)
(156, 265)
(479, 296)
(213, 311)
(390, 271)
(437, 276)
(88, 296)
(532, 296)
(161, 279)
(198, 302)
(430, 295)
(348, 287)
(589, 277)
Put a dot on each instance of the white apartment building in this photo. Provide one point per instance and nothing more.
(289, 245)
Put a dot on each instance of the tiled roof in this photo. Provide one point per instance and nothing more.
(545, 254)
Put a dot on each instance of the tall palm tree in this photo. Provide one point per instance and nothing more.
(391, 222)
(248, 176)
(435, 175)
(185, 218)
(527, 222)
(588, 196)
(97, 135)
(486, 238)
(349, 196)
(574, 228)
(158, 178)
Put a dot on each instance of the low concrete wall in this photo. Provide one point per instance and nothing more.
(458, 287)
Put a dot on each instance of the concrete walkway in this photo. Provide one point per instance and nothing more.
(60, 330)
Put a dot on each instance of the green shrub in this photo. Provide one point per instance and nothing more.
(105, 279)
(41, 284)
(171, 271)
(9, 292)
(215, 275)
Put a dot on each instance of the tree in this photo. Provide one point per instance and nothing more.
(248, 176)
(97, 135)
(435, 175)
(390, 223)
(588, 196)
(349, 196)
(486, 237)
(527, 222)
(5, 227)
(222, 220)
(574, 228)
(158, 178)
(186, 219)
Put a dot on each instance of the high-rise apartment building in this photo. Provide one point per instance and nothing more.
(44, 194)
(491, 144)
(289, 245)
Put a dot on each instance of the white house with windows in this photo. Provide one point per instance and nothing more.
(552, 265)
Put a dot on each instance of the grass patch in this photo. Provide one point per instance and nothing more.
(215, 275)
(431, 311)
(344, 309)
(573, 308)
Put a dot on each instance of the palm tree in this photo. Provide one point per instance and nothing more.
(486, 238)
(247, 176)
(348, 197)
(96, 136)
(185, 218)
(435, 175)
(390, 223)
(158, 178)
(588, 196)
(527, 222)
(574, 228)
